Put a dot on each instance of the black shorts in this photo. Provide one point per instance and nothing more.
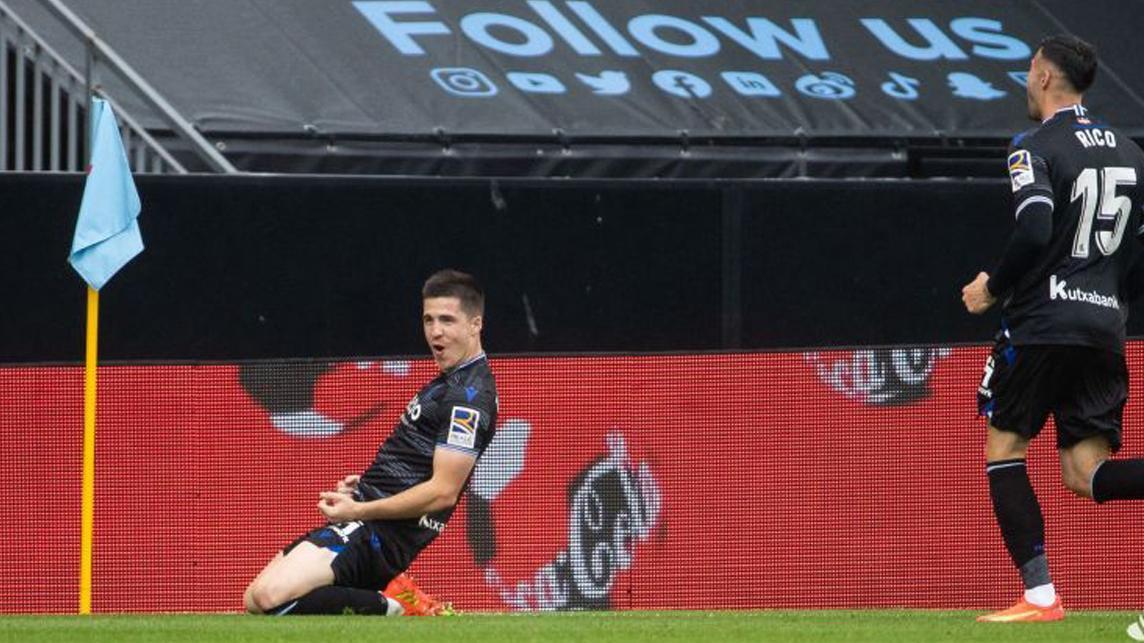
(1084, 388)
(363, 553)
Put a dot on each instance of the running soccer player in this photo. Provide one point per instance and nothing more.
(379, 521)
(1065, 279)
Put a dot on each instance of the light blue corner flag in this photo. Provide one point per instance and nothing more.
(107, 232)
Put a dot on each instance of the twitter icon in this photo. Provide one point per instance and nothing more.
(967, 85)
(607, 83)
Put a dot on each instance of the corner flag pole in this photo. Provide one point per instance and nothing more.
(106, 237)
(87, 521)
(91, 360)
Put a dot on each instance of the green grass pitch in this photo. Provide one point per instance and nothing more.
(898, 626)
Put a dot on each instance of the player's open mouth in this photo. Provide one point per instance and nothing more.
(438, 349)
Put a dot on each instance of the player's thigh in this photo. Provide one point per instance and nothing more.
(274, 562)
(1015, 396)
(1090, 404)
(305, 567)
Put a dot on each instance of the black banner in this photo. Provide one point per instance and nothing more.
(589, 69)
(645, 68)
(258, 267)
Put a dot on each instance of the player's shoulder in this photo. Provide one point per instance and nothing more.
(471, 383)
(1023, 149)
(1023, 139)
(470, 401)
(1027, 151)
(1043, 141)
(1126, 141)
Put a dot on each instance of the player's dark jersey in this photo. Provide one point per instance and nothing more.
(1089, 173)
(456, 410)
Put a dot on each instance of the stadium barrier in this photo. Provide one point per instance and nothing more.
(839, 478)
(273, 267)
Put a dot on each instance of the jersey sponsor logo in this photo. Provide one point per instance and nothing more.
(1058, 289)
(429, 523)
(413, 409)
(1021, 169)
(463, 427)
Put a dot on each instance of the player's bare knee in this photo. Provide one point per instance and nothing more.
(1078, 464)
(262, 597)
(1079, 487)
(1003, 445)
(1077, 483)
(1076, 473)
(248, 601)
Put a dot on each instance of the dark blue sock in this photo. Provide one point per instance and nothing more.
(1019, 516)
(332, 599)
(1118, 480)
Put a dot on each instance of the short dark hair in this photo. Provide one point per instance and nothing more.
(454, 283)
(1074, 57)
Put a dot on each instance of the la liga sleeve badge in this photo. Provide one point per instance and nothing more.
(463, 423)
(1021, 169)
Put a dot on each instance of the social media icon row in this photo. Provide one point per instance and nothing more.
(465, 81)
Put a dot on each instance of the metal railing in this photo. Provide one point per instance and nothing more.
(44, 104)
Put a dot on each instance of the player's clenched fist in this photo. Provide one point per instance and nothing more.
(337, 507)
(976, 295)
(348, 485)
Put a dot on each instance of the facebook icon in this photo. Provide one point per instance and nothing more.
(682, 84)
(749, 83)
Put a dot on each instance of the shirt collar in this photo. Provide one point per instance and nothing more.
(471, 361)
(1075, 108)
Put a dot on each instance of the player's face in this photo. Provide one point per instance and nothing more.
(452, 334)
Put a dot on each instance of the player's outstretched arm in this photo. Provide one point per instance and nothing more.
(450, 470)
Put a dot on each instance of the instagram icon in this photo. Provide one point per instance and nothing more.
(463, 81)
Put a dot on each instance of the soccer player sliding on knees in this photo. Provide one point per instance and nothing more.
(380, 520)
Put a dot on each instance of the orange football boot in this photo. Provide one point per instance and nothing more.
(415, 601)
(1026, 612)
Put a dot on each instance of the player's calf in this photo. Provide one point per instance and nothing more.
(1088, 471)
